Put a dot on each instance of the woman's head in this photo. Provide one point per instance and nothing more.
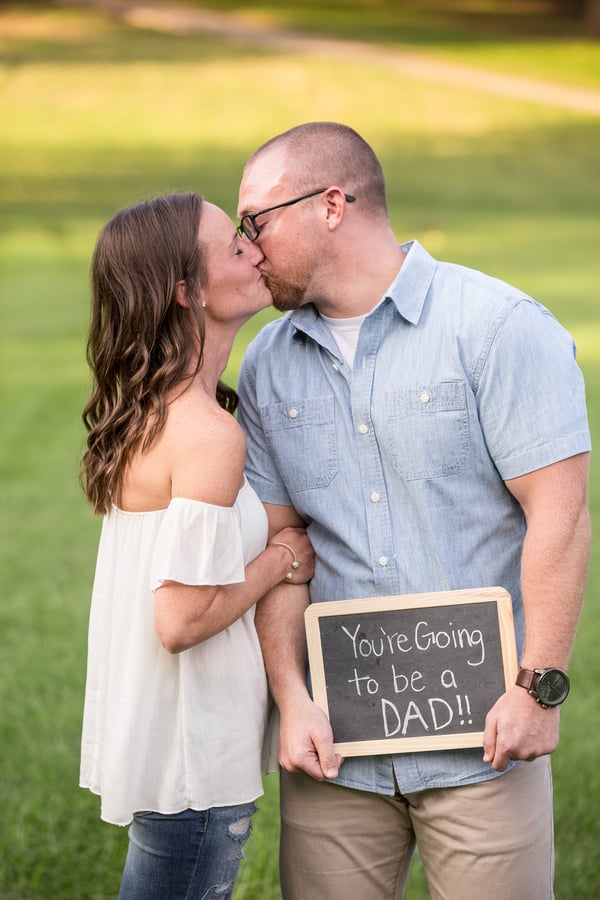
(149, 271)
(138, 330)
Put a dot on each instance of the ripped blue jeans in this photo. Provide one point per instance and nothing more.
(191, 855)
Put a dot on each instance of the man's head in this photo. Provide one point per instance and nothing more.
(313, 186)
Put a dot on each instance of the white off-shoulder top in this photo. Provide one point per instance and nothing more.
(167, 732)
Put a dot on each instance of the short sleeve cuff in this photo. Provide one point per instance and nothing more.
(545, 455)
(269, 491)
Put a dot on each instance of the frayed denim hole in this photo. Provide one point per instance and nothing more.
(240, 830)
(219, 889)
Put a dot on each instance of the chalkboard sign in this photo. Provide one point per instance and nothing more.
(411, 672)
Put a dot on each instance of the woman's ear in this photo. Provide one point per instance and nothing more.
(182, 294)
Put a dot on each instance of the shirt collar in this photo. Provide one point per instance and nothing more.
(407, 291)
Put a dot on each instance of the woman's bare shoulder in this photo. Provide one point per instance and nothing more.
(206, 449)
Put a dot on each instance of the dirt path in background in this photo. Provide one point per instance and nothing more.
(237, 28)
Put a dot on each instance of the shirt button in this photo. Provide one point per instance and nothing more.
(375, 497)
(383, 560)
(293, 413)
(363, 428)
(424, 397)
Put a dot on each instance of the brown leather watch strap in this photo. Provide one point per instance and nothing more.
(525, 678)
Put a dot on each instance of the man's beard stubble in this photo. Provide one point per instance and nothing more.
(285, 295)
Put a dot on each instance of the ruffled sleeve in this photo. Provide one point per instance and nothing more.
(198, 543)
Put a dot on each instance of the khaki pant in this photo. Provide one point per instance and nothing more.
(487, 841)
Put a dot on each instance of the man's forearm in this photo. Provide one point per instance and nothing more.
(280, 626)
(553, 578)
(305, 737)
(555, 557)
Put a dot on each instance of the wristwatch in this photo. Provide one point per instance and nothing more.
(548, 686)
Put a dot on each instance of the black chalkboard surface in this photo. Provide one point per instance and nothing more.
(411, 672)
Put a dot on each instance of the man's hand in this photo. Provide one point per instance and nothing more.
(517, 727)
(306, 742)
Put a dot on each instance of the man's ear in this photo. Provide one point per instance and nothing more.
(182, 294)
(335, 207)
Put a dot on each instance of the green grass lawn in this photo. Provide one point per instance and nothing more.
(96, 115)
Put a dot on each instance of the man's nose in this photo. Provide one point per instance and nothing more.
(257, 255)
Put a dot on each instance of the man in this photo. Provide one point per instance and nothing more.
(428, 424)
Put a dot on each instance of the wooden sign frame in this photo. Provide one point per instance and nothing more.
(319, 612)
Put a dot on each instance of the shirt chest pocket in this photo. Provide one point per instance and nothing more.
(428, 430)
(301, 437)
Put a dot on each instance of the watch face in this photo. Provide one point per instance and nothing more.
(552, 687)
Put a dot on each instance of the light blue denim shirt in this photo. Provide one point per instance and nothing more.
(460, 381)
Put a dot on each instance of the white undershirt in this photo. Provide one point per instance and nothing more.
(345, 333)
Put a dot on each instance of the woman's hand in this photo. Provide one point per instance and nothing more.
(298, 557)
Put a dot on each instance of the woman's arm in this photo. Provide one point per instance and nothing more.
(186, 615)
(204, 450)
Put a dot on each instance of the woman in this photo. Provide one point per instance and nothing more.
(176, 695)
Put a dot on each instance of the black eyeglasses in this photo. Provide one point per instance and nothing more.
(251, 230)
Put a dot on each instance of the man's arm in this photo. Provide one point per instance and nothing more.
(305, 738)
(554, 569)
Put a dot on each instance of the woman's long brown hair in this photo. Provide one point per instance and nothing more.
(142, 344)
